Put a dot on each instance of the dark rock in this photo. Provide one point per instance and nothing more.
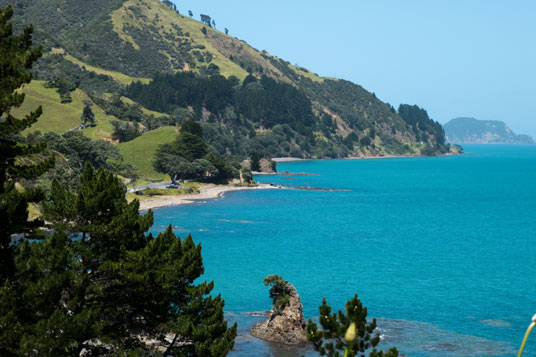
(286, 326)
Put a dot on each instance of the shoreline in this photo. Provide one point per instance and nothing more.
(207, 192)
(294, 159)
(213, 191)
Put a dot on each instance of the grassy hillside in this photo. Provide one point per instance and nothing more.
(103, 46)
(58, 117)
(140, 151)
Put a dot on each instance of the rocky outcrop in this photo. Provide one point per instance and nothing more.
(284, 325)
(266, 166)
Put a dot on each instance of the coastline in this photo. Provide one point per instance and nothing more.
(293, 159)
(213, 191)
(205, 193)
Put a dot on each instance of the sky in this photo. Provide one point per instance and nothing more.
(454, 58)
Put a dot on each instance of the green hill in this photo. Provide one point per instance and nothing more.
(98, 51)
(141, 150)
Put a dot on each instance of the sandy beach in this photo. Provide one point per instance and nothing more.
(206, 192)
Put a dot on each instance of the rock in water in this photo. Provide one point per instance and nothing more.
(266, 166)
(286, 323)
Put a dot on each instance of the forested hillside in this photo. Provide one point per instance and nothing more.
(141, 65)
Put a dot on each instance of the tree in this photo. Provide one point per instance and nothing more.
(189, 157)
(125, 131)
(170, 4)
(279, 292)
(18, 160)
(178, 168)
(182, 159)
(88, 116)
(213, 23)
(255, 158)
(206, 20)
(65, 87)
(189, 144)
(190, 13)
(348, 331)
(115, 286)
(97, 282)
(226, 31)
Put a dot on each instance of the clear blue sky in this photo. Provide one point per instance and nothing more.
(451, 57)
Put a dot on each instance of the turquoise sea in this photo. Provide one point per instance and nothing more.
(442, 250)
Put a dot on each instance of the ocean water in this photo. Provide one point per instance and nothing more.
(441, 250)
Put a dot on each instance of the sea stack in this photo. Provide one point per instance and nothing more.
(286, 323)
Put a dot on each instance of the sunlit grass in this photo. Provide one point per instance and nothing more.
(140, 151)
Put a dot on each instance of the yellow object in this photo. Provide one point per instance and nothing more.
(350, 333)
(529, 330)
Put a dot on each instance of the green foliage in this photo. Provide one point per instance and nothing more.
(426, 130)
(187, 157)
(131, 113)
(88, 117)
(169, 191)
(266, 101)
(141, 150)
(110, 286)
(279, 292)
(78, 150)
(149, 39)
(125, 131)
(206, 20)
(18, 160)
(333, 338)
(351, 139)
(65, 87)
(247, 176)
(255, 158)
(66, 74)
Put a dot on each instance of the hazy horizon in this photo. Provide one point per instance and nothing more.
(455, 58)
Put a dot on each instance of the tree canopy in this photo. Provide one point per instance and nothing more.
(188, 157)
(88, 117)
(346, 331)
(96, 283)
(18, 160)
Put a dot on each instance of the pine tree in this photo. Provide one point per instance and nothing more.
(18, 160)
(98, 282)
(128, 285)
(345, 331)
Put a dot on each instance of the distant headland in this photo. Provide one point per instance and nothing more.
(473, 131)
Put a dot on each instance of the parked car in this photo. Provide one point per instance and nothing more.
(173, 185)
